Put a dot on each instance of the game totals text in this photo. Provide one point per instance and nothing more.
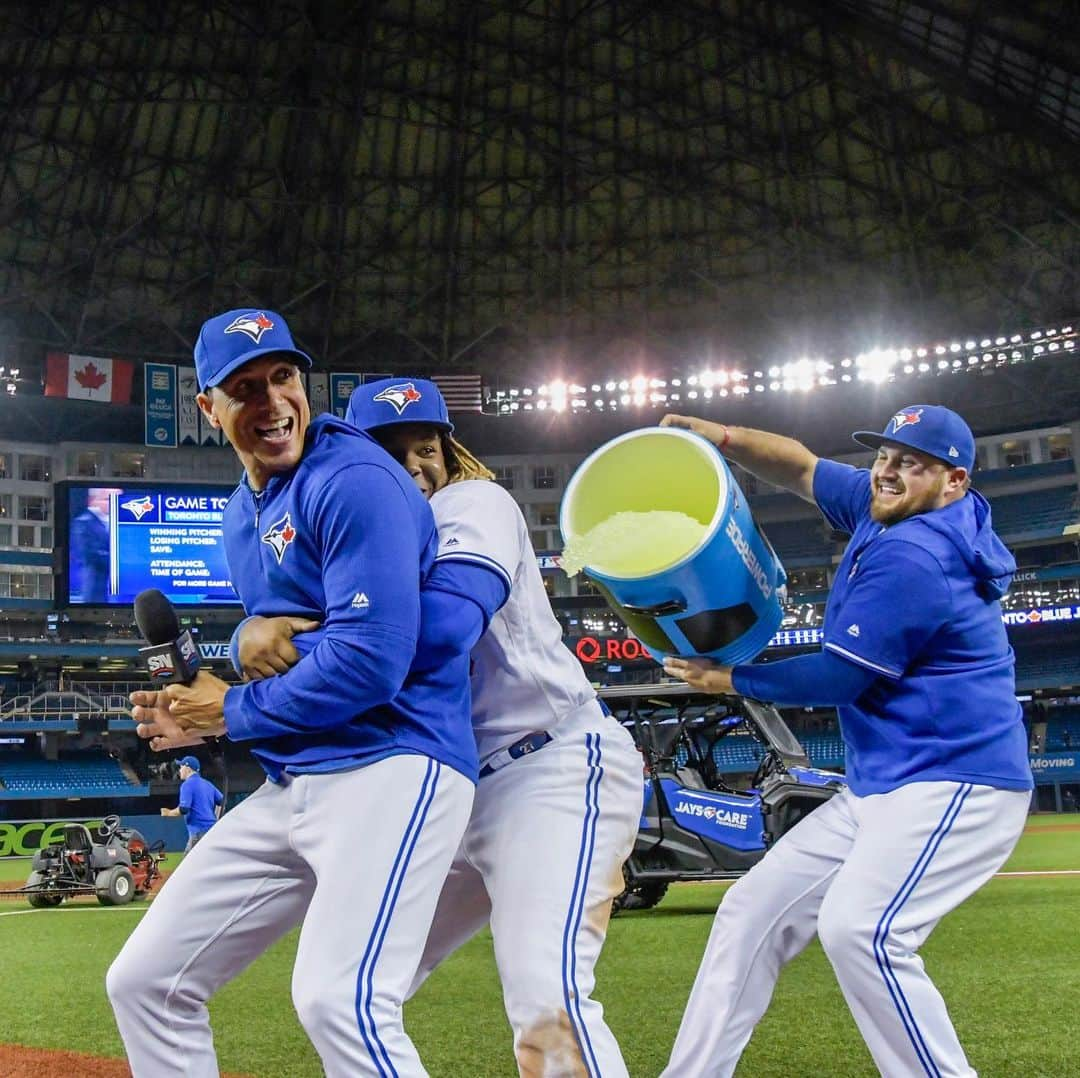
(123, 540)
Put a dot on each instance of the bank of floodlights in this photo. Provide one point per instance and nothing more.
(802, 375)
(9, 377)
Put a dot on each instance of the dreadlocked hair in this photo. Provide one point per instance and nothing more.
(460, 463)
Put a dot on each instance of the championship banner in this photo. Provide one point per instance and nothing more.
(188, 421)
(318, 391)
(208, 433)
(161, 404)
(341, 389)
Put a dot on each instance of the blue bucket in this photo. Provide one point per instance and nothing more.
(721, 597)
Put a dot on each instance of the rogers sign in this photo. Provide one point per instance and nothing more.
(590, 649)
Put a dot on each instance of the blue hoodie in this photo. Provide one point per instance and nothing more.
(345, 538)
(918, 603)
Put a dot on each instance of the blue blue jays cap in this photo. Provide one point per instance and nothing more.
(230, 340)
(931, 429)
(190, 761)
(390, 401)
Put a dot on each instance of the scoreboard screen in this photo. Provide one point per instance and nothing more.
(119, 540)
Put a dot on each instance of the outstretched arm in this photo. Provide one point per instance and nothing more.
(778, 460)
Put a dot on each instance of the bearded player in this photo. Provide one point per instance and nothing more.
(918, 665)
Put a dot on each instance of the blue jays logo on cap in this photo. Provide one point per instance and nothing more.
(413, 400)
(400, 396)
(253, 325)
(280, 534)
(228, 341)
(908, 417)
(930, 428)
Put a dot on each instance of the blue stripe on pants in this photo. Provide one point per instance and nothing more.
(918, 870)
(365, 974)
(571, 995)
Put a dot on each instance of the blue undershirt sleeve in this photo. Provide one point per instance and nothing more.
(818, 680)
(457, 603)
(234, 646)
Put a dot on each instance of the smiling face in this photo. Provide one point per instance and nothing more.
(904, 482)
(417, 447)
(264, 412)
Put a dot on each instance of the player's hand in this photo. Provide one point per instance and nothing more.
(185, 740)
(701, 674)
(715, 432)
(265, 646)
(198, 708)
(153, 716)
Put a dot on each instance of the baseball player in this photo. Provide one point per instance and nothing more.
(369, 754)
(559, 798)
(917, 662)
(200, 801)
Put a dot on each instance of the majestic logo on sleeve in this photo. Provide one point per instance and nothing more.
(907, 418)
(138, 507)
(254, 325)
(280, 535)
(400, 396)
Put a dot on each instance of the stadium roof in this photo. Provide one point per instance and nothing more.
(501, 186)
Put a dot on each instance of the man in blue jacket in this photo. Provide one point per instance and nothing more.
(367, 744)
(200, 801)
(916, 660)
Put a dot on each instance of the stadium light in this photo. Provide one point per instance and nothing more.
(803, 374)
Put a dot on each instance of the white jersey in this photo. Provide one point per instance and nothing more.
(524, 678)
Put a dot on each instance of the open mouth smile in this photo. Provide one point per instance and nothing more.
(280, 431)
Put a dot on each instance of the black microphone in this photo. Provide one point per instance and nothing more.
(172, 656)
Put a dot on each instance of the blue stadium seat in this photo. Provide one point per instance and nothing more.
(86, 775)
(1038, 514)
(799, 542)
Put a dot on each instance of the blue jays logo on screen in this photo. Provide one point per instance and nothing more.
(400, 396)
(907, 418)
(280, 535)
(139, 507)
(253, 325)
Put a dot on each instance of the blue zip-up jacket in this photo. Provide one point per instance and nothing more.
(345, 538)
(918, 603)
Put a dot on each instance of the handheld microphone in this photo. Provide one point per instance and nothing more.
(172, 655)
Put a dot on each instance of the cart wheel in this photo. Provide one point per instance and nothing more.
(115, 886)
(42, 900)
(639, 894)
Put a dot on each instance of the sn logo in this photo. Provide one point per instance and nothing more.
(159, 664)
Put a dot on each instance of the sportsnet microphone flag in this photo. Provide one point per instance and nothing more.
(88, 378)
(460, 391)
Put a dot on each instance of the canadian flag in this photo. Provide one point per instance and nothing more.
(88, 378)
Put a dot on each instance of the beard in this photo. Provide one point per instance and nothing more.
(893, 510)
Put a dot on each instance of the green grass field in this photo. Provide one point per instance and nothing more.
(1005, 961)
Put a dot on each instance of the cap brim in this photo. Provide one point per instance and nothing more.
(870, 438)
(438, 424)
(873, 440)
(302, 358)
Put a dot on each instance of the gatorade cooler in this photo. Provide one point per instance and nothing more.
(720, 598)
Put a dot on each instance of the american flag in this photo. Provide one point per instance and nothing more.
(462, 391)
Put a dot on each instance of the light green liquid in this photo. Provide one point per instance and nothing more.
(633, 544)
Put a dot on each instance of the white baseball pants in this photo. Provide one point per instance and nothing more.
(358, 857)
(871, 876)
(541, 860)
